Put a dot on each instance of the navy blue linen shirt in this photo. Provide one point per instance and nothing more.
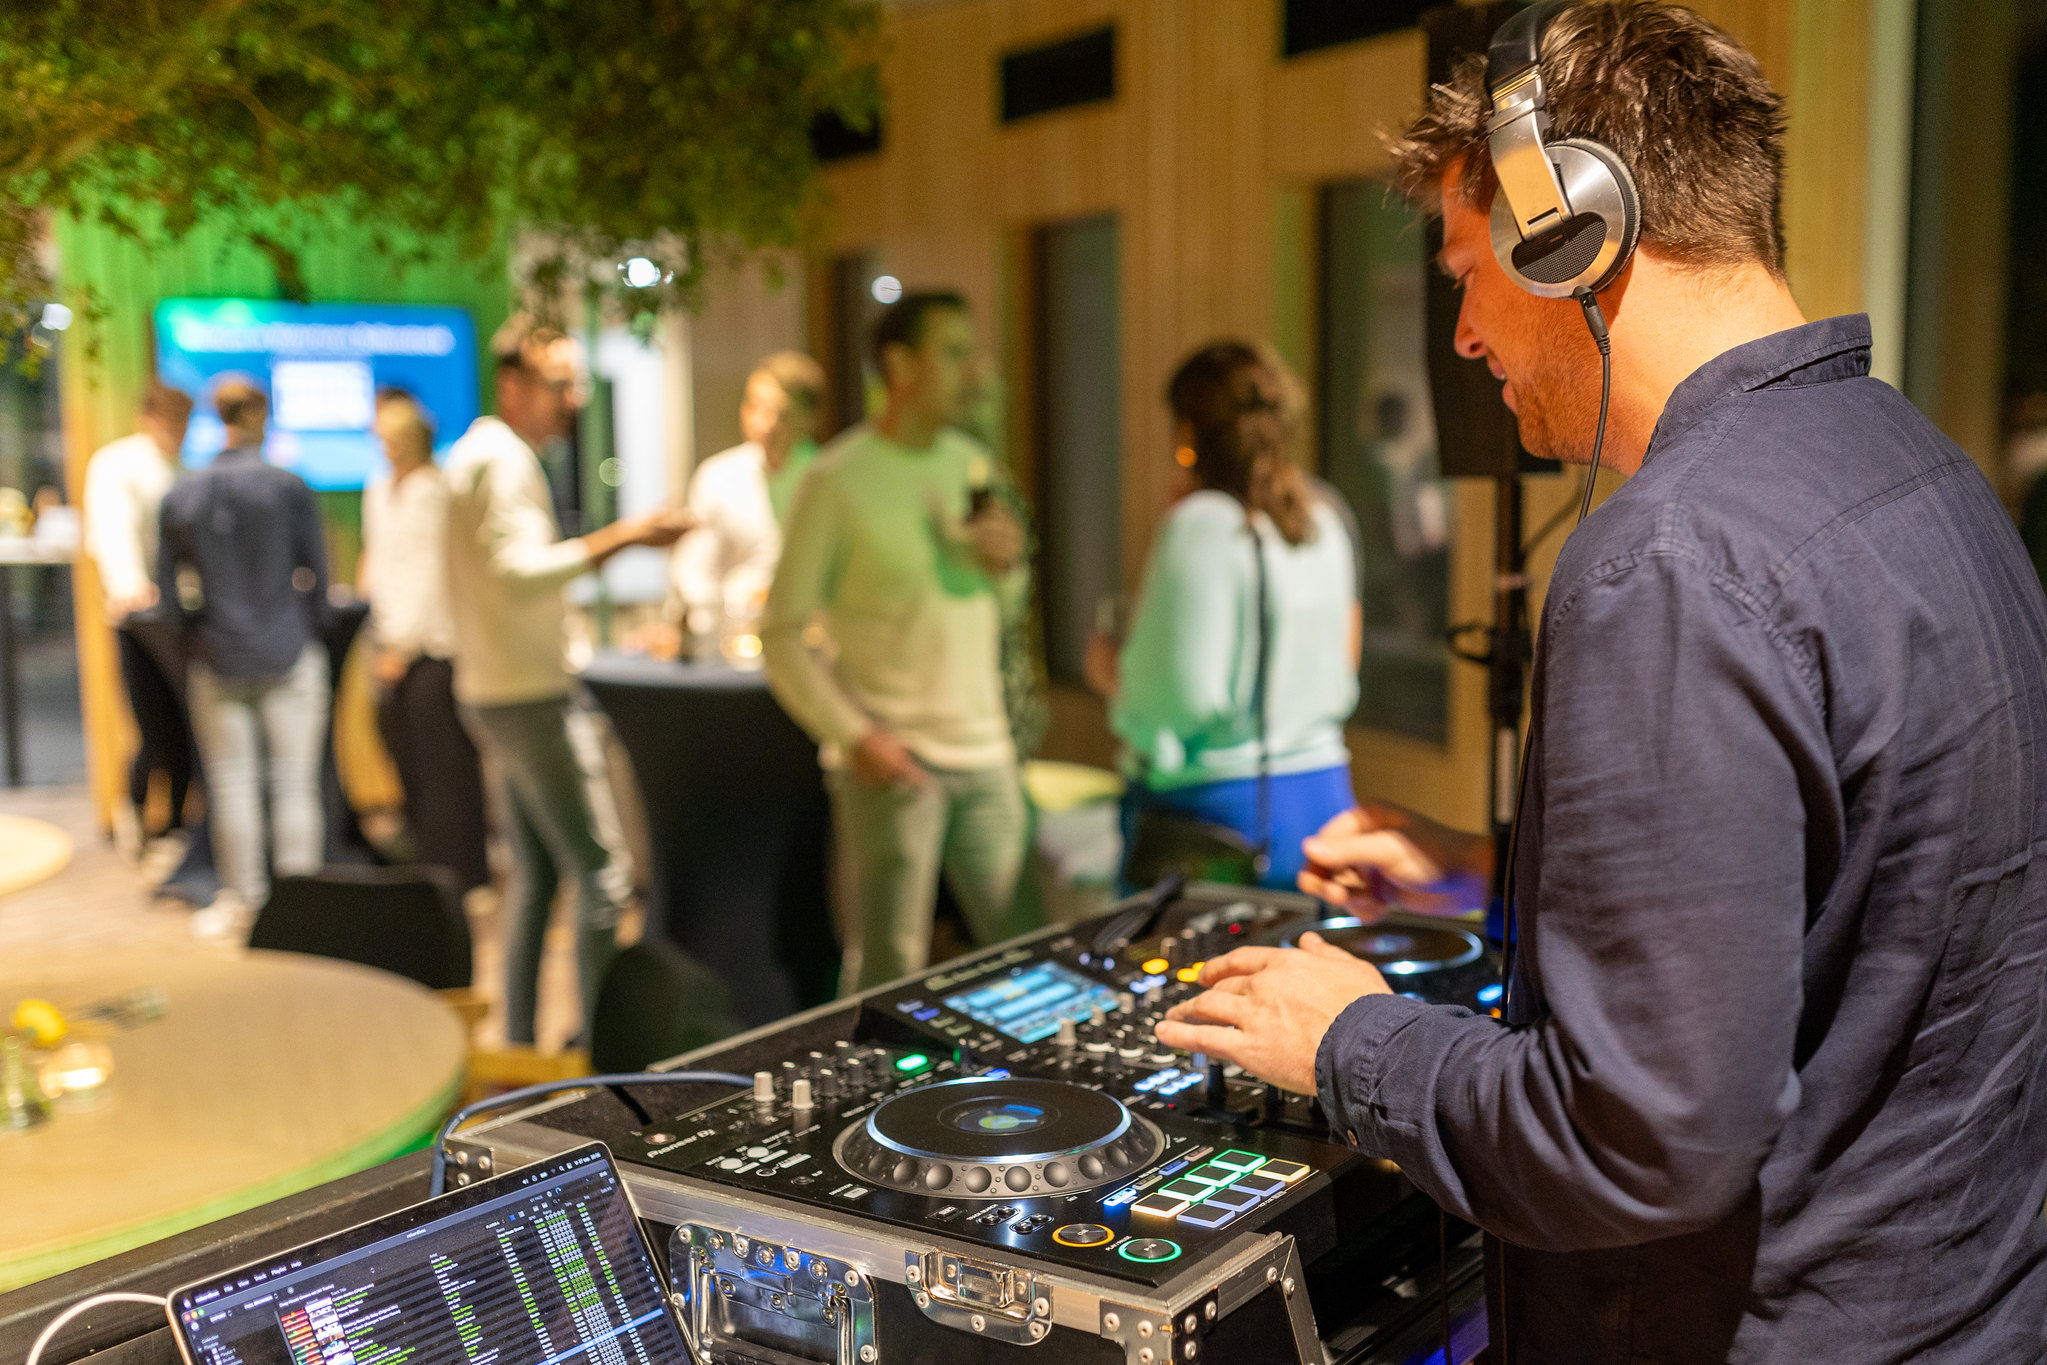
(248, 528)
(1775, 1083)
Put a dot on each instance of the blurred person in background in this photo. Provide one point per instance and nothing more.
(125, 483)
(244, 559)
(898, 542)
(1231, 689)
(741, 497)
(507, 567)
(2025, 461)
(402, 574)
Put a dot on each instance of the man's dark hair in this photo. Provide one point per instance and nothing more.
(1685, 106)
(513, 345)
(239, 401)
(904, 322)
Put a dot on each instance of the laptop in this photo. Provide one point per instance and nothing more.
(544, 1265)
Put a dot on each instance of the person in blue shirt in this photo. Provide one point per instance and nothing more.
(1771, 1078)
(242, 557)
(1253, 541)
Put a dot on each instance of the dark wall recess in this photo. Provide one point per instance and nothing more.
(1309, 25)
(1059, 75)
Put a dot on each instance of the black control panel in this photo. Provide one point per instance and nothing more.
(1020, 1099)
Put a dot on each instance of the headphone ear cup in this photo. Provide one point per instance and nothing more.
(1591, 249)
(1631, 202)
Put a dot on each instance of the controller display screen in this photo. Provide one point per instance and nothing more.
(1029, 1002)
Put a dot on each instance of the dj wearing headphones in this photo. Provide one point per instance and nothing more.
(1771, 1080)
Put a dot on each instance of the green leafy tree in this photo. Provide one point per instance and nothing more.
(668, 128)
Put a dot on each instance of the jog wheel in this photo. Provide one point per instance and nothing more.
(1397, 949)
(998, 1138)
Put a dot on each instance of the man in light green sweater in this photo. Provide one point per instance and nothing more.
(895, 545)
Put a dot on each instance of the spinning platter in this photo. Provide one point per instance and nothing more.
(989, 1137)
(1397, 949)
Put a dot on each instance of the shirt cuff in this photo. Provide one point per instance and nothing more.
(1349, 1068)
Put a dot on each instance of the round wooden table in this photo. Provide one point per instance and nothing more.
(269, 1073)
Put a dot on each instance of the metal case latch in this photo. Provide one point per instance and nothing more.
(736, 1291)
(976, 1296)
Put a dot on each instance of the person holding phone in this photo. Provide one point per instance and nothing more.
(914, 573)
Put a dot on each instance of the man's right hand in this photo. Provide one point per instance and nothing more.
(1361, 853)
(659, 528)
(881, 760)
(120, 609)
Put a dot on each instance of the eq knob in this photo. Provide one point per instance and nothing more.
(763, 1087)
(1068, 1036)
(799, 1093)
(827, 1081)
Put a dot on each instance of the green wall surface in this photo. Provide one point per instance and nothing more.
(114, 282)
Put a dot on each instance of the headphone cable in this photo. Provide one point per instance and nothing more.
(1595, 322)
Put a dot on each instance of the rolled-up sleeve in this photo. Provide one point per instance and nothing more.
(1662, 889)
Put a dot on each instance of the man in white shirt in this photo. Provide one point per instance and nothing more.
(507, 567)
(125, 483)
(740, 497)
(403, 576)
(896, 541)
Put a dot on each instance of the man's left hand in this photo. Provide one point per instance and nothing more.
(1266, 1009)
(995, 538)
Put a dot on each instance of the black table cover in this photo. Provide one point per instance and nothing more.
(737, 824)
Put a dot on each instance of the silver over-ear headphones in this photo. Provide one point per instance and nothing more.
(1567, 215)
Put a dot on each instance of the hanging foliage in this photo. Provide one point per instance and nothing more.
(662, 128)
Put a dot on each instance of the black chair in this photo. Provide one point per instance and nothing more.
(405, 920)
(657, 1002)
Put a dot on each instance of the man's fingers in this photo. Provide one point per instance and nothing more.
(1213, 1007)
(1321, 947)
(1212, 1039)
(1236, 962)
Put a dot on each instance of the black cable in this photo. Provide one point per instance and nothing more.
(1595, 322)
(1558, 517)
(439, 1179)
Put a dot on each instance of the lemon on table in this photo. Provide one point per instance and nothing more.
(39, 1022)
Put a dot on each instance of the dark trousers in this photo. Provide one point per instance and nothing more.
(166, 745)
(438, 766)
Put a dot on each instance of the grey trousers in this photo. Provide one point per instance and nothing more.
(248, 729)
(894, 841)
(553, 831)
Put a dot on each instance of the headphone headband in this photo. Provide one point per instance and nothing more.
(1566, 215)
(1517, 44)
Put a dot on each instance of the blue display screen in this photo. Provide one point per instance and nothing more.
(321, 364)
(1029, 1003)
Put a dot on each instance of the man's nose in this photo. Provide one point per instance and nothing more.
(1469, 344)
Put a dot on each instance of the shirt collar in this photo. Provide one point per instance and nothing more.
(241, 454)
(1815, 353)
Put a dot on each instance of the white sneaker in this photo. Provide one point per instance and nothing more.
(224, 922)
(163, 855)
(127, 833)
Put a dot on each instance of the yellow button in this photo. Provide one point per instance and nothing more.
(1154, 966)
(1083, 1235)
(1192, 973)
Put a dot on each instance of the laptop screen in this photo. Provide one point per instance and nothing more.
(543, 1266)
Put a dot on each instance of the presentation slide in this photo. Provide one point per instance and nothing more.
(322, 365)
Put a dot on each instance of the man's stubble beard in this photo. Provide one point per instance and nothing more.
(1559, 408)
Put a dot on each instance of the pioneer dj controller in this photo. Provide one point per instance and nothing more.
(1009, 1122)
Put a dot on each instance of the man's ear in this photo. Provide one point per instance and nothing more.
(896, 359)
